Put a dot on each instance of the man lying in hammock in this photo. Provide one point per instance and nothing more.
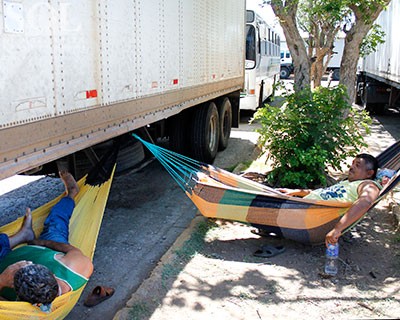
(52, 266)
(359, 188)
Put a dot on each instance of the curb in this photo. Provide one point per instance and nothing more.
(156, 273)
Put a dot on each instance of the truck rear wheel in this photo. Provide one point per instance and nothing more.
(205, 132)
(374, 108)
(225, 123)
(178, 127)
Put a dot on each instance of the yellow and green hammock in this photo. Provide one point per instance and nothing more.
(223, 195)
(84, 229)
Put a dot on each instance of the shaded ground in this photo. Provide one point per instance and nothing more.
(223, 280)
(211, 272)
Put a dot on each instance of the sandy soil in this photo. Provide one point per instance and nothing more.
(223, 280)
(213, 274)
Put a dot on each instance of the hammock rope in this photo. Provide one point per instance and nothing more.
(181, 168)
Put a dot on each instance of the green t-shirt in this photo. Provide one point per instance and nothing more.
(44, 256)
(344, 191)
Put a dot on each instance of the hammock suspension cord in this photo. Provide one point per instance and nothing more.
(181, 168)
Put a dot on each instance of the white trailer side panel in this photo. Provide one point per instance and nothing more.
(172, 44)
(120, 60)
(26, 71)
(385, 62)
(76, 59)
(74, 73)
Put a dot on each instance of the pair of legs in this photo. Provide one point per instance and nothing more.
(56, 226)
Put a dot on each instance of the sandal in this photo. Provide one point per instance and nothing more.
(99, 294)
(268, 251)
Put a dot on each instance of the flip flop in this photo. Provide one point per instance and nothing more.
(260, 232)
(265, 233)
(268, 251)
(99, 294)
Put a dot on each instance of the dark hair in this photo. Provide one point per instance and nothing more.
(372, 163)
(35, 283)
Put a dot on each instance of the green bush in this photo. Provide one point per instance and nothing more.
(308, 133)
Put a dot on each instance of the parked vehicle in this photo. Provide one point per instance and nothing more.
(378, 79)
(262, 62)
(287, 67)
(333, 67)
(79, 73)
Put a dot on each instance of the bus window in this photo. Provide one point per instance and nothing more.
(250, 43)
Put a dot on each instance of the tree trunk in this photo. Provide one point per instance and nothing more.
(351, 51)
(318, 66)
(286, 12)
(318, 73)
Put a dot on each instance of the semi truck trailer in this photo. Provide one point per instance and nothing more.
(77, 76)
(378, 79)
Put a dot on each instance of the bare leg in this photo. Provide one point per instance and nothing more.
(71, 187)
(25, 234)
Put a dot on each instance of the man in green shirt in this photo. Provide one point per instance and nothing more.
(49, 266)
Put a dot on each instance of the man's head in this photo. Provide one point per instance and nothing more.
(364, 166)
(35, 283)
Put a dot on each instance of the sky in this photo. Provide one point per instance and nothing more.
(267, 14)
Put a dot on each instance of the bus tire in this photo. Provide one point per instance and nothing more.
(225, 123)
(205, 132)
(285, 73)
(336, 75)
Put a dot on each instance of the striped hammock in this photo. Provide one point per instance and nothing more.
(220, 194)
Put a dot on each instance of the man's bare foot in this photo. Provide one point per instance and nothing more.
(71, 187)
(25, 234)
(26, 229)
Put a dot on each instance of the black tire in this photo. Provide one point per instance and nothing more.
(336, 75)
(359, 99)
(261, 95)
(225, 123)
(375, 108)
(285, 73)
(178, 131)
(205, 132)
(372, 108)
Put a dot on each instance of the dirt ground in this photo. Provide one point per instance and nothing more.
(210, 271)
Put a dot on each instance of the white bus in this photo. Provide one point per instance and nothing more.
(262, 62)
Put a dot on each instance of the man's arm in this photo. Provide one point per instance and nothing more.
(56, 246)
(73, 258)
(295, 192)
(368, 193)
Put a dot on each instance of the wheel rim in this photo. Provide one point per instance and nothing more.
(225, 124)
(213, 133)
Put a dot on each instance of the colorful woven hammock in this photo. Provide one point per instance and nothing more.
(84, 229)
(221, 194)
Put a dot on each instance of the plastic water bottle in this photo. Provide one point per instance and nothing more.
(332, 255)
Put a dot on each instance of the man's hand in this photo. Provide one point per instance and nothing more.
(367, 192)
(7, 276)
(332, 236)
(294, 192)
